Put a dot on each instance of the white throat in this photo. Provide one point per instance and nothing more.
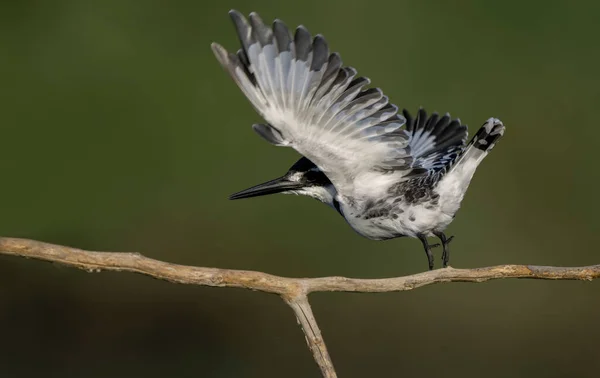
(325, 194)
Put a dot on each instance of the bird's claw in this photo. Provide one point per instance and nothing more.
(439, 245)
(445, 255)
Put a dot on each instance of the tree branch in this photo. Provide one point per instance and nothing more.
(293, 290)
(315, 341)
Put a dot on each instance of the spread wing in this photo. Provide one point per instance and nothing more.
(312, 103)
(318, 107)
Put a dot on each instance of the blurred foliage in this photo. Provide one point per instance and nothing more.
(121, 132)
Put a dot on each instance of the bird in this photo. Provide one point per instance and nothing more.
(387, 173)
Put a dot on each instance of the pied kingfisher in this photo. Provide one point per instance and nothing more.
(388, 174)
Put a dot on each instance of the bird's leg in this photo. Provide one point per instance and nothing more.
(445, 244)
(423, 239)
(439, 244)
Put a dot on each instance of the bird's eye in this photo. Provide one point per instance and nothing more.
(315, 177)
(309, 176)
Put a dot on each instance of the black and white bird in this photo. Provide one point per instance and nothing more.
(388, 174)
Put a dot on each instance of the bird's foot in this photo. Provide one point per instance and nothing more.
(439, 244)
(446, 253)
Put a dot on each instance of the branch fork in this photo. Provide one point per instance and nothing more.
(294, 291)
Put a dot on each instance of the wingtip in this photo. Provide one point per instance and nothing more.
(220, 53)
(254, 15)
(217, 48)
(302, 29)
(255, 19)
(237, 17)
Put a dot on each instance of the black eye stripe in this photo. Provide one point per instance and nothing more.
(310, 173)
(316, 178)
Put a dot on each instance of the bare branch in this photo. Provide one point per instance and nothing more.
(288, 287)
(293, 290)
(315, 341)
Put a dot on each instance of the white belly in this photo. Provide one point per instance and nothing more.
(411, 220)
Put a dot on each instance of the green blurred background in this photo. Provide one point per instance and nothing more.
(120, 132)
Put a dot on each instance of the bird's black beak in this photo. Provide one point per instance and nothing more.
(278, 185)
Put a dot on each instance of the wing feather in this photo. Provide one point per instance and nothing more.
(435, 142)
(314, 104)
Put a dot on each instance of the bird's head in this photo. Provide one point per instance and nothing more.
(303, 178)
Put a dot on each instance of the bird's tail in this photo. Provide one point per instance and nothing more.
(455, 182)
(482, 143)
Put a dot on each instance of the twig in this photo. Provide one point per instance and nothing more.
(293, 290)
